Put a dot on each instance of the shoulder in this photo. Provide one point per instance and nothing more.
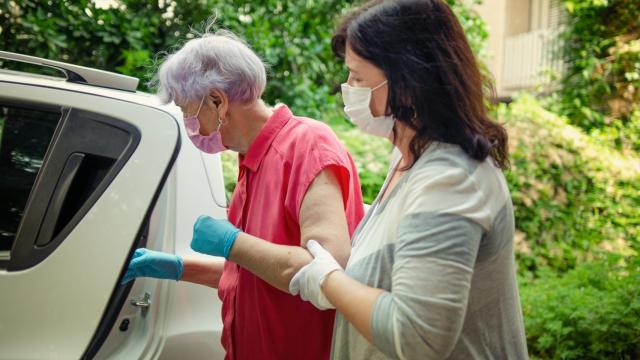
(305, 133)
(448, 161)
(443, 163)
(449, 181)
(308, 129)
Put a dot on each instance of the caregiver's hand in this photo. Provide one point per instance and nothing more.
(308, 280)
(154, 264)
(213, 236)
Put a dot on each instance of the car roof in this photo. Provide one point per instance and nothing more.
(136, 97)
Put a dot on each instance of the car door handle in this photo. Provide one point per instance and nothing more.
(143, 303)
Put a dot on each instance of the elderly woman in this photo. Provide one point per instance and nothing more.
(431, 273)
(296, 182)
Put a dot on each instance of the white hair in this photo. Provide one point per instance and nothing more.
(219, 60)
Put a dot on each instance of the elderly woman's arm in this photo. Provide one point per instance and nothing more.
(203, 270)
(322, 218)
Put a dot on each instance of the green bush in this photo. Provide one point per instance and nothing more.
(371, 154)
(229, 171)
(623, 135)
(602, 82)
(592, 312)
(124, 37)
(573, 197)
(293, 37)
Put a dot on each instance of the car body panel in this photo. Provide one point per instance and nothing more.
(52, 310)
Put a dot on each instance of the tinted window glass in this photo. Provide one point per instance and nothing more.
(25, 135)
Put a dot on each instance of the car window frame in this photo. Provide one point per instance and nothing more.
(5, 256)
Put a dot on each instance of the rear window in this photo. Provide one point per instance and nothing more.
(25, 135)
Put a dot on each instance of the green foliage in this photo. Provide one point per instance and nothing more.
(574, 198)
(619, 134)
(229, 171)
(602, 50)
(77, 32)
(293, 37)
(371, 154)
(592, 312)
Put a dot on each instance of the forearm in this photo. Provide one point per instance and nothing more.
(352, 299)
(203, 271)
(273, 263)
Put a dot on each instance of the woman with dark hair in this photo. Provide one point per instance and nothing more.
(432, 271)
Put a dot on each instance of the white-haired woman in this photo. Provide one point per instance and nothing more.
(296, 182)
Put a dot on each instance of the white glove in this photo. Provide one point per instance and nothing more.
(308, 280)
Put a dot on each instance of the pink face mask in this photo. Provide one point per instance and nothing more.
(210, 144)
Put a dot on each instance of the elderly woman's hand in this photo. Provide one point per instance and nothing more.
(153, 264)
(309, 279)
(213, 236)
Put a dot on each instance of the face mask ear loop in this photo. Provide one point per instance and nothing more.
(221, 121)
(200, 107)
(379, 86)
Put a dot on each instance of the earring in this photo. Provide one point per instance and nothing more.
(415, 113)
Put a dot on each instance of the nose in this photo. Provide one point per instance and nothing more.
(350, 80)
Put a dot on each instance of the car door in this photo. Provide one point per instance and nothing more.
(138, 329)
(79, 175)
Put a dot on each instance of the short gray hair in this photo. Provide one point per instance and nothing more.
(219, 60)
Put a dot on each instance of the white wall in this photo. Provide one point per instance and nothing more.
(493, 13)
(504, 18)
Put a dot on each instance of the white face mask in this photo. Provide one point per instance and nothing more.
(356, 106)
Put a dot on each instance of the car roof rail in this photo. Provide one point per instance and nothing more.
(79, 74)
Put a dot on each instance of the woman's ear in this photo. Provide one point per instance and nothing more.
(220, 101)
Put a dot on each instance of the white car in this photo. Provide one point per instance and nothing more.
(90, 170)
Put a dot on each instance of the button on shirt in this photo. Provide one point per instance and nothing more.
(260, 321)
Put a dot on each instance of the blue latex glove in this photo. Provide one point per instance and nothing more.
(213, 236)
(154, 264)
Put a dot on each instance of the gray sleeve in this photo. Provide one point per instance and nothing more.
(422, 316)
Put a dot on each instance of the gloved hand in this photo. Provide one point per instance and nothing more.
(213, 236)
(308, 280)
(154, 264)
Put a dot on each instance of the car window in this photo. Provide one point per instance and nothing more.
(25, 134)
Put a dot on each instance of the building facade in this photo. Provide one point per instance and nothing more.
(523, 43)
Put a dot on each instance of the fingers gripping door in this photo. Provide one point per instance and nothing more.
(92, 194)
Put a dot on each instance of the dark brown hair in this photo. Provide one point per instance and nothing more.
(435, 85)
